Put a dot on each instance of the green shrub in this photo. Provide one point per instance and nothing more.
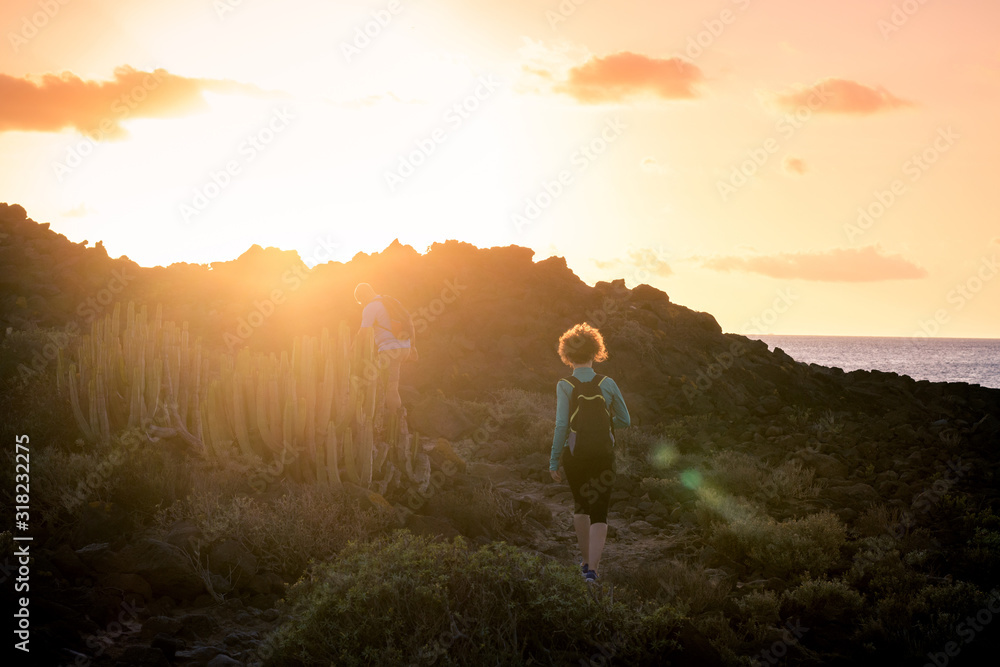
(786, 549)
(692, 586)
(637, 450)
(821, 601)
(746, 475)
(137, 475)
(671, 490)
(879, 520)
(284, 532)
(29, 400)
(481, 510)
(714, 507)
(408, 600)
(758, 615)
(915, 622)
(879, 570)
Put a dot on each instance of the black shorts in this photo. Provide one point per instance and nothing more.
(590, 480)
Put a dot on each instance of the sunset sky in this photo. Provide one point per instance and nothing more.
(816, 167)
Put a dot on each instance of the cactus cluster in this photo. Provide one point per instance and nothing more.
(318, 412)
(145, 374)
(306, 408)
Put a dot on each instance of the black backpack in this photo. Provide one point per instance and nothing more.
(400, 322)
(591, 429)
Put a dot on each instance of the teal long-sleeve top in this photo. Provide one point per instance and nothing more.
(564, 390)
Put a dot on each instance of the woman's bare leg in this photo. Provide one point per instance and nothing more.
(598, 536)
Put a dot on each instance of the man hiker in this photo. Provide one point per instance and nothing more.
(393, 330)
(588, 409)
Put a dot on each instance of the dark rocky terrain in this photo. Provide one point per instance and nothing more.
(913, 464)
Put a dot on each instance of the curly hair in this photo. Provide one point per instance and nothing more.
(580, 344)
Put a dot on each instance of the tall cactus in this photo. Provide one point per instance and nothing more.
(317, 410)
(118, 377)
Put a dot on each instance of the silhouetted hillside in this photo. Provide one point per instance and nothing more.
(485, 319)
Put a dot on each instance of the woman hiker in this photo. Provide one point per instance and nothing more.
(588, 409)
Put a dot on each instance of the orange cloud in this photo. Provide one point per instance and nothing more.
(839, 96)
(620, 76)
(644, 259)
(846, 265)
(794, 165)
(97, 108)
(652, 165)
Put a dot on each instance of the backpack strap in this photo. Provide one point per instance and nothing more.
(573, 381)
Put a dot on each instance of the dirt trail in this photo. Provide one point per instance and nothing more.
(625, 546)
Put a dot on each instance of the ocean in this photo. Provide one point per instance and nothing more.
(972, 360)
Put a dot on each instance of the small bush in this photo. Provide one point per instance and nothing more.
(758, 615)
(879, 570)
(284, 533)
(641, 450)
(746, 475)
(524, 419)
(692, 586)
(786, 549)
(29, 400)
(914, 622)
(671, 490)
(407, 600)
(130, 471)
(483, 510)
(879, 520)
(820, 601)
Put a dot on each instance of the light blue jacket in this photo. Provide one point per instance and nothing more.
(564, 391)
(376, 315)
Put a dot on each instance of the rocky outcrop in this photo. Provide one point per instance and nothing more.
(485, 319)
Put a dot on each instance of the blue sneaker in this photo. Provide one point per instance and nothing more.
(591, 577)
(584, 568)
